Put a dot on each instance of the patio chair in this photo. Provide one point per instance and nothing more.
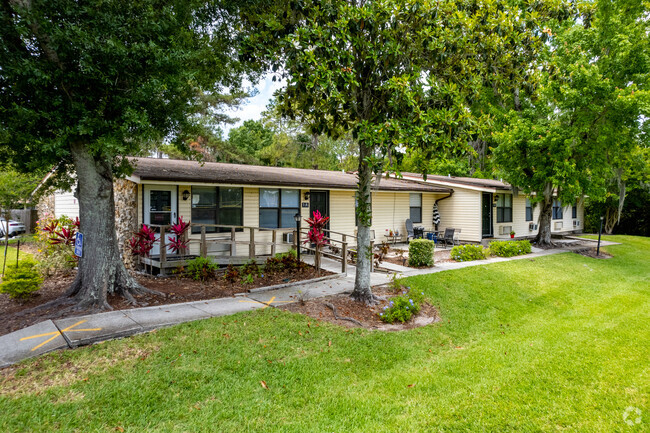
(448, 238)
(457, 236)
(409, 230)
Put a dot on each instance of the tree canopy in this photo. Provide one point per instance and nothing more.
(83, 84)
(589, 116)
(399, 75)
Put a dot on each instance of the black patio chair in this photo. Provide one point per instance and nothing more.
(448, 238)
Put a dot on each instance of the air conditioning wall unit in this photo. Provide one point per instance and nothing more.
(505, 230)
(532, 227)
(287, 237)
(576, 223)
(558, 225)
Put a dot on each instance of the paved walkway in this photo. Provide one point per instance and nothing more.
(77, 331)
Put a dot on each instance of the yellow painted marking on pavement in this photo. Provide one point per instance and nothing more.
(267, 304)
(57, 333)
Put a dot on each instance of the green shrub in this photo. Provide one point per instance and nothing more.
(21, 281)
(467, 253)
(232, 274)
(201, 269)
(509, 248)
(402, 308)
(421, 252)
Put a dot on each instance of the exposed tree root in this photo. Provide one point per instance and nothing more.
(367, 298)
(337, 317)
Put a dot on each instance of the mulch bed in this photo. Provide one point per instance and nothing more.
(591, 252)
(16, 315)
(367, 315)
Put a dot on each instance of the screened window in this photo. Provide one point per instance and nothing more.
(504, 208)
(416, 207)
(278, 206)
(212, 205)
(557, 210)
(529, 210)
(574, 211)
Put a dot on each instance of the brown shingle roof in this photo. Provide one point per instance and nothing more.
(216, 172)
(469, 181)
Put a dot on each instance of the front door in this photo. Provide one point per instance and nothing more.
(486, 204)
(160, 210)
(319, 201)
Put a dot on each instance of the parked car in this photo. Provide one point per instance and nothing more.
(15, 228)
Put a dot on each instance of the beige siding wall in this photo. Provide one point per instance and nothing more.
(342, 211)
(66, 204)
(522, 227)
(519, 223)
(390, 212)
(462, 211)
(567, 219)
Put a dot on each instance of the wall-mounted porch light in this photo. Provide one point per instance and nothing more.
(186, 195)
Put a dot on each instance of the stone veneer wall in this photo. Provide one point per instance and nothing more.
(126, 217)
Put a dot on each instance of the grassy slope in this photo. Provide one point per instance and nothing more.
(559, 342)
(11, 255)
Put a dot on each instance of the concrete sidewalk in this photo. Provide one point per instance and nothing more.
(77, 331)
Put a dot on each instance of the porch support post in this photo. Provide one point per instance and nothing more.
(372, 255)
(233, 246)
(344, 256)
(273, 240)
(251, 245)
(163, 250)
(204, 245)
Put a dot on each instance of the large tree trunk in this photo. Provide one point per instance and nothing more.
(543, 239)
(362, 291)
(101, 270)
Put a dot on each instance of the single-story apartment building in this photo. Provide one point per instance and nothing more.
(488, 209)
(161, 190)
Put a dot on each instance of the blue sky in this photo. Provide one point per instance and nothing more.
(252, 109)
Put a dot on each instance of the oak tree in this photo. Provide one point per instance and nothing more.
(398, 76)
(84, 84)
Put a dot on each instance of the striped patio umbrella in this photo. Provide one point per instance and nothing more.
(436, 214)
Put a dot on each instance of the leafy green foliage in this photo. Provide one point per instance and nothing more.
(468, 252)
(55, 256)
(398, 76)
(20, 281)
(421, 252)
(15, 190)
(401, 308)
(577, 134)
(232, 274)
(509, 248)
(201, 269)
(248, 279)
(251, 267)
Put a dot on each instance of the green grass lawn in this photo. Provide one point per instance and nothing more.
(11, 256)
(548, 344)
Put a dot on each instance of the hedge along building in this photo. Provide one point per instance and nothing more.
(488, 209)
(160, 191)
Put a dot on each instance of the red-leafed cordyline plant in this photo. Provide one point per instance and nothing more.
(316, 235)
(178, 243)
(142, 242)
(63, 233)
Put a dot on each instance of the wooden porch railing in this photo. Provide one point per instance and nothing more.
(228, 236)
